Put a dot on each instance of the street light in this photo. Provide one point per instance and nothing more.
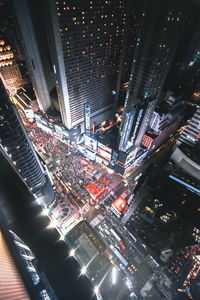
(72, 252)
(61, 238)
(45, 211)
(83, 270)
(52, 224)
(96, 290)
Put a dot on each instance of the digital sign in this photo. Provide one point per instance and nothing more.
(86, 152)
(89, 142)
(140, 158)
(104, 154)
(119, 204)
(131, 156)
(101, 160)
(102, 146)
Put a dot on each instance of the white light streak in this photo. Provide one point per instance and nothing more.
(83, 270)
(72, 252)
(114, 275)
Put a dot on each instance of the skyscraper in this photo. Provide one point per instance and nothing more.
(85, 39)
(9, 70)
(191, 134)
(17, 147)
(157, 41)
(34, 55)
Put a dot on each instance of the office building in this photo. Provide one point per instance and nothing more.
(160, 32)
(30, 262)
(191, 134)
(164, 121)
(19, 275)
(179, 183)
(186, 157)
(9, 70)
(185, 269)
(86, 41)
(135, 128)
(18, 149)
(36, 59)
(81, 54)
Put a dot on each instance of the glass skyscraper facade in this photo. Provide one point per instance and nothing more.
(91, 36)
(17, 147)
(159, 35)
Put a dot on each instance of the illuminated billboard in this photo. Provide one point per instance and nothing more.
(95, 190)
(101, 160)
(119, 204)
(86, 152)
(89, 142)
(104, 154)
(140, 158)
(131, 156)
(102, 146)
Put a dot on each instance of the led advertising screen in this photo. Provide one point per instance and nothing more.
(131, 156)
(89, 142)
(101, 160)
(119, 204)
(102, 146)
(87, 153)
(140, 158)
(104, 154)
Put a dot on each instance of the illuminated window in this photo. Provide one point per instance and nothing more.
(91, 22)
(74, 7)
(74, 19)
(66, 28)
(67, 7)
(83, 12)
